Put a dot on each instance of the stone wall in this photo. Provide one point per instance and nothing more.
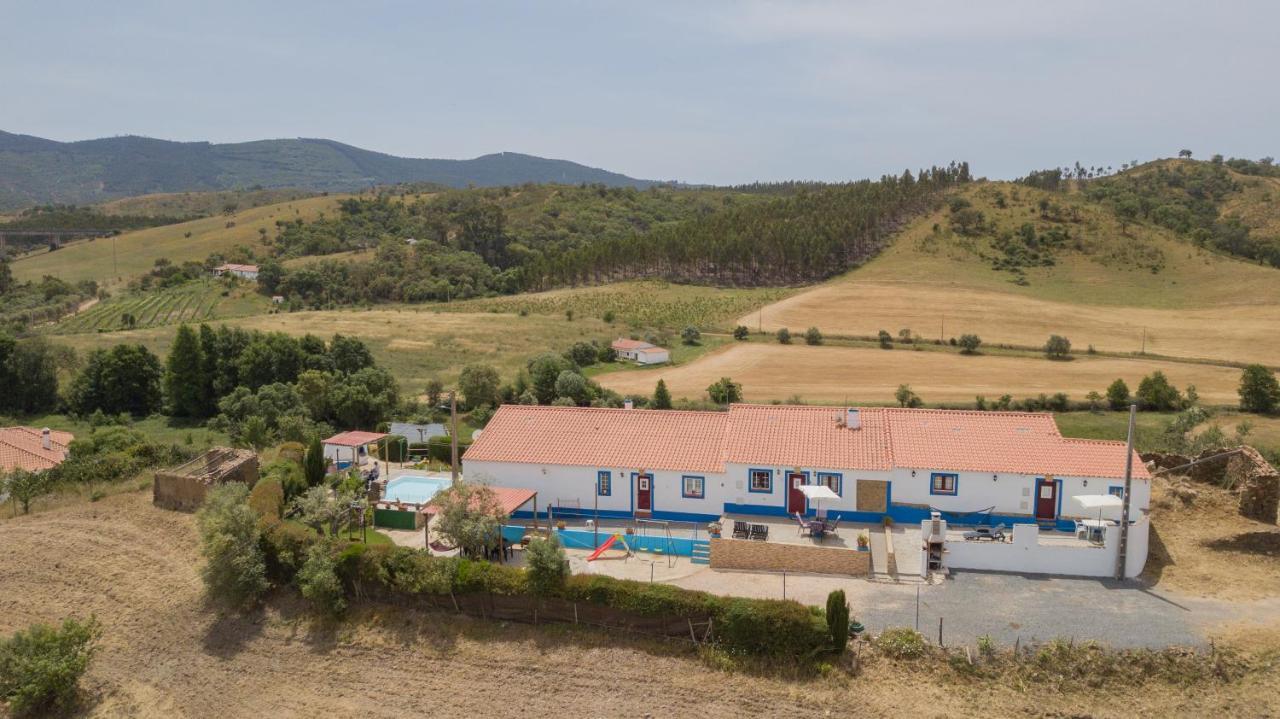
(772, 556)
(1247, 473)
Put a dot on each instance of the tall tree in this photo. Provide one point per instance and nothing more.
(184, 378)
(479, 385)
(125, 378)
(661, 396)
(1259, 390)
(314, 463)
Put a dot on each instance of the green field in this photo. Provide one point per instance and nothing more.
(192, 302)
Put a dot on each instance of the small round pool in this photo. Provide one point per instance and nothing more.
(414, 489)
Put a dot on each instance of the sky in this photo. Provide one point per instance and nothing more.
(701, 91)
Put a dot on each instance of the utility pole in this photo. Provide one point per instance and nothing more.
(1128, 485)
(453, 433)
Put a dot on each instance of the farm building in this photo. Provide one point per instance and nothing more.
(640, 352)
(184, 487)
(34, 450)
(766, 460)
(245, 272)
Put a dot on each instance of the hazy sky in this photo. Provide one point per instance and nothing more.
(699, 91)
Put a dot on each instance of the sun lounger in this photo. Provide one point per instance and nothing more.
(760, 532)
(994, 534)
(741, 530)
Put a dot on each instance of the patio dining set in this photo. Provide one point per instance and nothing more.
(817, 527)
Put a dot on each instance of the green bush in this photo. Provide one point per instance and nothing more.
(319, 582)
(771, 627)
(838, 620)
(285, 547)
(547, 564)
(235, 570)
(440, 449)
(902, 643)
(267, 499)
(40, 668)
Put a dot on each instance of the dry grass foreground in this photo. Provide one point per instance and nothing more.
(136, 252)
(165, 654)
(1203, 546)
(833, 374)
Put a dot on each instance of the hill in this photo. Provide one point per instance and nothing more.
(37, 171)
(112, 260)
(192, 205)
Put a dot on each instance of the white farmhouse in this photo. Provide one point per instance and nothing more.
(640, 352)
(246, 272)
(973, 467)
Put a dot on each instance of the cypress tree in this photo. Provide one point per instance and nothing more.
(838, 620)
(661, 397)
(313, 464)
(184, 377)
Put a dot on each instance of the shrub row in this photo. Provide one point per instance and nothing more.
(749, 626)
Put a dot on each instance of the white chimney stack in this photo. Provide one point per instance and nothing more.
(628, 404)
(46, 438)
(852, 419)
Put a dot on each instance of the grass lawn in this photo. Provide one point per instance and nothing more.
(164, 430)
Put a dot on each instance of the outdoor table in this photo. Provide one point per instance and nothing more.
(1097, 528)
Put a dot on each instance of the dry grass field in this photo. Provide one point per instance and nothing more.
(136, 252)
(185, 204)
(165, 653)
(1204, 547)
(832, 374)
(1198, 305)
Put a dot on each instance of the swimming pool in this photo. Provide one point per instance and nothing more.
(413, 489)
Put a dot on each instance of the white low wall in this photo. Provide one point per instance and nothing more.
(1027, 555)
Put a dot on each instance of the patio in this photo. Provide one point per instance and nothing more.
(786, 530)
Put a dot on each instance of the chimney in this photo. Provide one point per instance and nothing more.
(628, 404)
(852, 419)
(46, 438)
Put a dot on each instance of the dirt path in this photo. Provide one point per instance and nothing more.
(164, 654)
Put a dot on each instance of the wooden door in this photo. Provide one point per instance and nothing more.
(1046, 499)
(644, 493)
(795, 497)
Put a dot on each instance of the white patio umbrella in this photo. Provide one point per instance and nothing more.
(1099, 502)
(818, 492)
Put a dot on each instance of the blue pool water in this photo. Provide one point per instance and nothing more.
(412, 489)
(587, 539)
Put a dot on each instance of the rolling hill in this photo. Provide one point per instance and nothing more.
(34, 170)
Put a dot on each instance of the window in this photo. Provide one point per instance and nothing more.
(604, 483)
(761, 480)
(695, 487)
(1116, 490)
(832, 480)
(943, 483)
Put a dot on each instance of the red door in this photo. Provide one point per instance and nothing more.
(795, 498)
(1046, 499)
(644, 493)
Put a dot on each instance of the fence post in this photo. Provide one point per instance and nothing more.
(784, 584)
(692, 636)
(575, 612)
(939, 631)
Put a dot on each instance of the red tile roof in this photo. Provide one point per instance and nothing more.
(354, 439)
(625, 344)
(600, 437)
(509, 498)
(23, 448)
(1014, 442)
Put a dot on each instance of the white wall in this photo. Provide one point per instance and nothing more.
(1027, 555)
(1008, 493)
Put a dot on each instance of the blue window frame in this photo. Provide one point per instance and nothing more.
(943, 483)
(692, 487)
(833, 481)
(760, 481)
(1116, 490)
(604, 483)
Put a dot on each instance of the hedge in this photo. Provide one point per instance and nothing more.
(779, 628)
(441, 449)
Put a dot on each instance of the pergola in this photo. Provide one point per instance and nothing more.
(353, 442)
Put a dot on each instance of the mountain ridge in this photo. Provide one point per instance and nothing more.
(35, 170)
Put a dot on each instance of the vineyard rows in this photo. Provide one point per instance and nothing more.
(182, 304)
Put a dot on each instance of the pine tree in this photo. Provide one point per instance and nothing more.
(661, 397)
(184, 378)
(313, 463)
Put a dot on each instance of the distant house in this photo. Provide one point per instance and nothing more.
(247, 272)
(277, 299)
(417, 433)
(640, 352)
(34, 450)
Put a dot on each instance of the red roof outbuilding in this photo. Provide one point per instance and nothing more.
(354, 439)
(23, 448)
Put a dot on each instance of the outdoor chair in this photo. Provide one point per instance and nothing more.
(741, 530)
(760, 532)
(831, 526)
(995, 534)
(801, 522)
